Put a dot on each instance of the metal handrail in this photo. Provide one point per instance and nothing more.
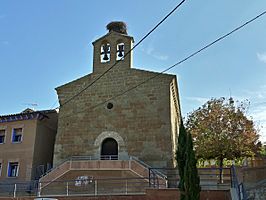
(82, 158)
(73, 158)
(53, 168)
(90, 186)
(109, 157)
(148, 167)
(32, 188)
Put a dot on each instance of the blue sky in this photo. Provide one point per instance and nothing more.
(46, 43)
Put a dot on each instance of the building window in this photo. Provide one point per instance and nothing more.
(17, 135)
(12, 169)
(2, 136)
(110, 106)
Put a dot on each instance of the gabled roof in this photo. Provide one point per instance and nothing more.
(132, 69)
(26, 115)
(72, 81)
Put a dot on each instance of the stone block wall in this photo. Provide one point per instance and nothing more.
(140, 121)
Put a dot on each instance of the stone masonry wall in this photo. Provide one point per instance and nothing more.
(139, 120)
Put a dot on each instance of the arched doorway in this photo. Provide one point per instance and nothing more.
(109, 150)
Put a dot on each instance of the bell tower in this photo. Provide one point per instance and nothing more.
(112, 48)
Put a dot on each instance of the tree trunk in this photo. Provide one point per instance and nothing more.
(221, 170)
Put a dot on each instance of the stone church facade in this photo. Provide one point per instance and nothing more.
(105, 122)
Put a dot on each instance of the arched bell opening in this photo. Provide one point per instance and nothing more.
(109, 149)
(105, 52)
(120, 50)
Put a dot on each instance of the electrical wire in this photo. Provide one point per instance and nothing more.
(176, 64)
(126, 54)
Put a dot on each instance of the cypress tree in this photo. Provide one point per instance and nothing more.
(189, 183)
(181, 158)
(191, 177)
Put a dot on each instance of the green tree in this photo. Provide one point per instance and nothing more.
(191, 177)
(262, 150)
(221, 130)
(181, 158)
(189, 180)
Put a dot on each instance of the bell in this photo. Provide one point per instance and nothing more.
(120, 50)
(105, 51)
(120, 54)
(105, 57)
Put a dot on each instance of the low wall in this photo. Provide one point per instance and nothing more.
(151, 194)
(169, 194)
(253, 175)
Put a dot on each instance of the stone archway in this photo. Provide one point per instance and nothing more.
(121, 148)
(109, 149)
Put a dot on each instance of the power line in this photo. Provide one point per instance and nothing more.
(178, 63)
(126, 54)
(54, 105)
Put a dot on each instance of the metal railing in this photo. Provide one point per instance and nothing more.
(102, 157)
(84, 187)
(94, 187)
(87, 185)
(209, 178)
(9, 189)
(154, 170)
(109, 157)
(78, 158)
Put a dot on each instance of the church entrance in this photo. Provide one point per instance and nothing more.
(109, 150)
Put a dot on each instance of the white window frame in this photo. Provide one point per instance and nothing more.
(17, 142)
(17, 171)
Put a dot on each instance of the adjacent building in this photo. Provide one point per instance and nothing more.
(26, 144)
(126, 112)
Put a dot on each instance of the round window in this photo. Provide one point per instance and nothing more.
(110, 106)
